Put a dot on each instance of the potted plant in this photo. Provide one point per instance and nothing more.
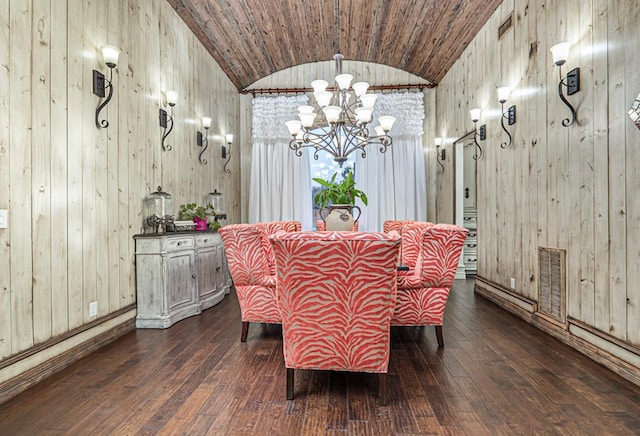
(198, 214)
(340, 198)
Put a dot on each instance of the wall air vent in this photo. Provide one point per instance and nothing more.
(505, 26)
(552, 284)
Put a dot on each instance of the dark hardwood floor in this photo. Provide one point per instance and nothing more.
(496, 375)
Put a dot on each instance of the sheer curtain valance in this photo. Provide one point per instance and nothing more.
(280, 187)
(395, 181)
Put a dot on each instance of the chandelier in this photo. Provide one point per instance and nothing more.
(341, 125)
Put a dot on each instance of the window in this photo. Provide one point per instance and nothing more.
(324, 168)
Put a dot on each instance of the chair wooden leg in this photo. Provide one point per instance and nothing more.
(245, 330)
(382, 388)
(439, 336)
(290, 383)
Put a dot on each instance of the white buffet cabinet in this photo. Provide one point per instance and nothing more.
(178, 275)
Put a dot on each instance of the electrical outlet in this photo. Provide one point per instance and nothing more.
(513, 283)
(93, 308)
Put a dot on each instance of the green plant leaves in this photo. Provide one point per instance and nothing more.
(343, 192)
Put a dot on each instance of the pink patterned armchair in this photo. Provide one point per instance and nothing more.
(252, 267)
(336, 292)
(432, 252)
(411, 233)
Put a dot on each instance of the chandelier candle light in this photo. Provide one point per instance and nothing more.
(341, 127)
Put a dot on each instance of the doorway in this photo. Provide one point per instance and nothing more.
(466, 201)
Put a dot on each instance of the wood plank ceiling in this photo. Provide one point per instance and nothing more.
(251, 39)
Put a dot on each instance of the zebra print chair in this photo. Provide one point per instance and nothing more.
(336, 292)
(252, 267)
(432, 252)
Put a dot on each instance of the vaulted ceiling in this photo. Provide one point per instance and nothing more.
(251, 39)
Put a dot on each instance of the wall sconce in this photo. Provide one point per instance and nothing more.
(509, 115)
(477, 133)
(560, 52)
(203, 140)
(440, 154)
(101, 84)
(229, 138)
(170, 98)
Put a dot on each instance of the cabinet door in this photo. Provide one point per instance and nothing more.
(221, 276)
(207, 262)
(181, 278)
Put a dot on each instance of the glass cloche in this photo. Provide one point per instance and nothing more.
(158, 210)
(216, 200)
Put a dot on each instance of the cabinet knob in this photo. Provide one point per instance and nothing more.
(205, 241)
(193, 276)
(179, 243)
(217, 268)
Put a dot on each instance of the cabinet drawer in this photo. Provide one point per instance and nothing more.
(208, 240)
(471, 264)
(470, 255)
(469, 222)
(174, 244)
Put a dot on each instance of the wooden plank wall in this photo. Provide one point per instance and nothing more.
(568, 188)
(75, 192)
(301, 76)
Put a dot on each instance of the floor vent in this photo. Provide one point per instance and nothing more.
(552, 292)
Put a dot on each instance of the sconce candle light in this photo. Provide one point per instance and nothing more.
(478, 133)
(202, 139)
(509, 115)
(171, 97)
(110, 56)
(440, 154)
(571, 81)
(229, 139)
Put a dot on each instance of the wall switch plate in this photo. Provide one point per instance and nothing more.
(513, 283)
(4, 218)
(93, 308)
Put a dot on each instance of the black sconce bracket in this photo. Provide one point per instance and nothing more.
(203, 142)
(166, 120)
(100, 85)
(224, 156)
(481, 134)
(572, 82)
(510, 116)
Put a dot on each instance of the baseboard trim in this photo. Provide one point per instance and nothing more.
(619, 357)
(38, 365)
(505, 297)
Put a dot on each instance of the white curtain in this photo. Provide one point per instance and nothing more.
(280, 187)
(395, 181)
